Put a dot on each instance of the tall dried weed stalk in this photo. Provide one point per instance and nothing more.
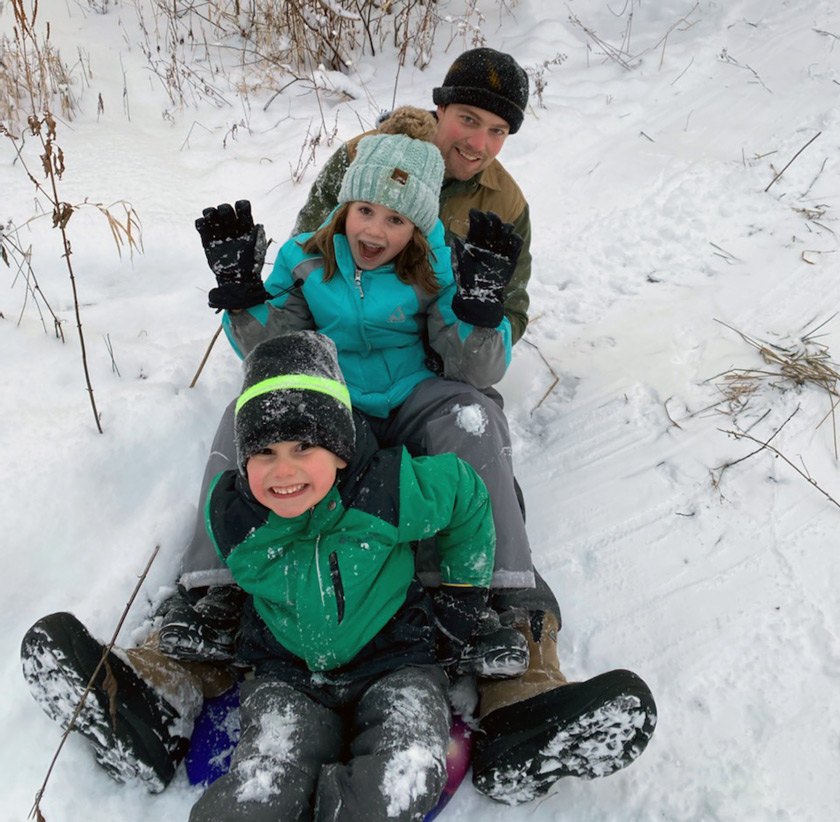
(40, 81)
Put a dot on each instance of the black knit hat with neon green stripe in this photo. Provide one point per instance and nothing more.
(294, 391)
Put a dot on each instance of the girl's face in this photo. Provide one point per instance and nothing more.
(376, 234)
(291, 477)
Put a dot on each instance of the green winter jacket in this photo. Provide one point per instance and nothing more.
(326, 582)
(491, 190)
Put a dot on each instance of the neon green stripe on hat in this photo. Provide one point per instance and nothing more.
(296, 382)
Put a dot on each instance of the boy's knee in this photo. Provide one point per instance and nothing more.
(258, 789)
(408, 705)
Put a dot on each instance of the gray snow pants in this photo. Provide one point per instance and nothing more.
(381, 757)
(439, 416)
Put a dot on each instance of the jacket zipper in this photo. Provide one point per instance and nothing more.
(338, 585)
(358, 279)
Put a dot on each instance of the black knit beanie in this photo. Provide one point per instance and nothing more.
(488, 79)
(293, 391)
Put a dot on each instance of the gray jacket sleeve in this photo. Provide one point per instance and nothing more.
(480, 359)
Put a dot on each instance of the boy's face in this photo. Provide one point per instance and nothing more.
(376, 234)
(289, 478)
(469, 139)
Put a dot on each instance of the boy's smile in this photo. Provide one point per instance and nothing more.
(289, 478)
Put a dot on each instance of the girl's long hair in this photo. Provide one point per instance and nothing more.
(411, 264)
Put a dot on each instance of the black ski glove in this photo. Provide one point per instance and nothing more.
(235, 251)
(201, 628)
(471, 639)
(457, 613)
(483, 264)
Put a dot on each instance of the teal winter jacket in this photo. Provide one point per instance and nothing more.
(378, 323)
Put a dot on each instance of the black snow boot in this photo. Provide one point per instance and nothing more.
(538, 728)
(128, 724)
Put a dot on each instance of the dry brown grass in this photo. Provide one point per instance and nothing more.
(805, 361)
(33, 77)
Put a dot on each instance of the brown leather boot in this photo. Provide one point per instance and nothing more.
(539, 727)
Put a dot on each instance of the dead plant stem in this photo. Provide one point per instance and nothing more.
(763, 445)
(36, 808)
(791, 160)
(206, 355)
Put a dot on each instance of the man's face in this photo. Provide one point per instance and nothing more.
(469, 138)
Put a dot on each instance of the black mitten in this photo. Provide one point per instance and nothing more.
(235, 251)
(203, 630)
(483, 264)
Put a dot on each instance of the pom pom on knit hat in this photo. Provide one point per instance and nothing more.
(411, 121)
(398, 172)
(488, 79)
(293, 391)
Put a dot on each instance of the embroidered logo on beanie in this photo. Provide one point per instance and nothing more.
(293, 391)
(487, 79)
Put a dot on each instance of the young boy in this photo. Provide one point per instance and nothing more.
(347, 714)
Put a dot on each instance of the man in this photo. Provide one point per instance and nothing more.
(535, 728)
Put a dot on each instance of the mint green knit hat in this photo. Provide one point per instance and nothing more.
(397, 172)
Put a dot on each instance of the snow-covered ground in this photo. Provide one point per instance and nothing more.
(656, 241)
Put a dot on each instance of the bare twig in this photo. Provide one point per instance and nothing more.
(816, 177)
(110, 347)
(724, 253)
(824, 33)
(39, 795)
(551, 370)
(667, 414)
(763, 445)
(206, 355)
(791, 160)
(726, 57)
(773, 449)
